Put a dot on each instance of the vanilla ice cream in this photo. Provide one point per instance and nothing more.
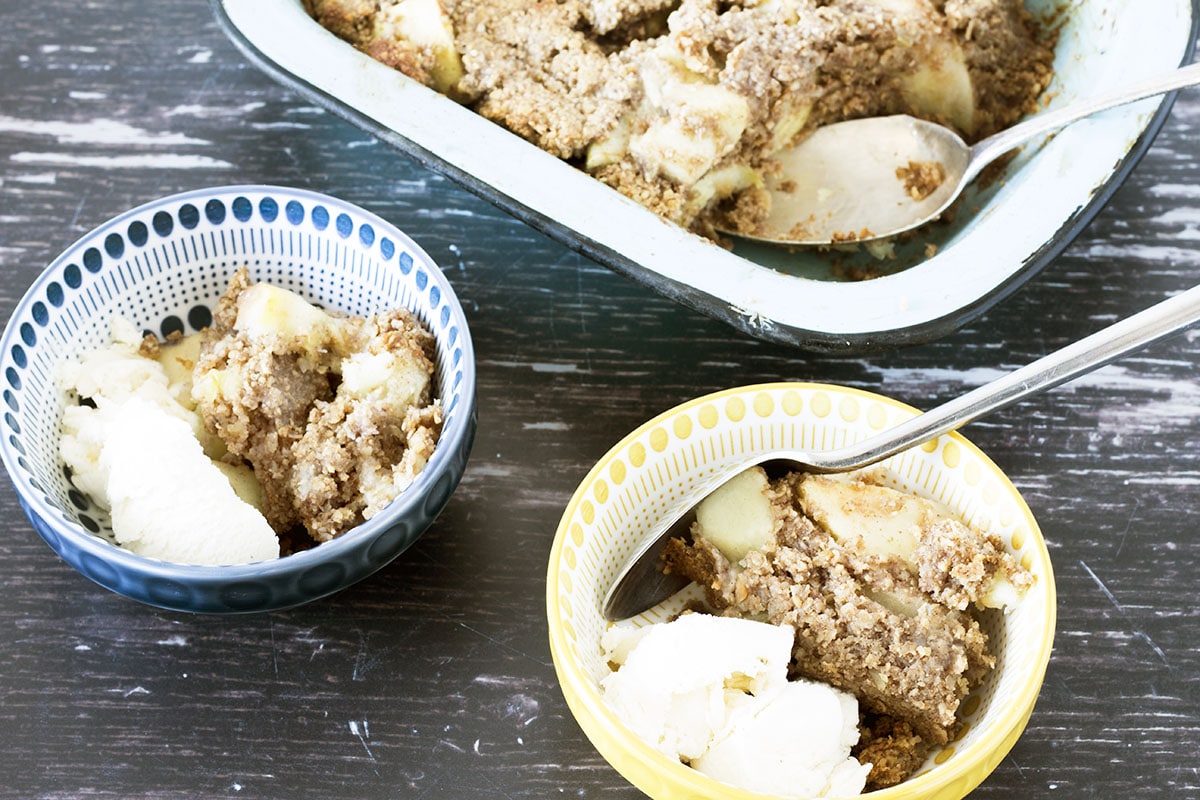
(713, 692)
(793, 744)
(139, 451)
(168, 500)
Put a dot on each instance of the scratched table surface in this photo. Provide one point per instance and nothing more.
(432, 679)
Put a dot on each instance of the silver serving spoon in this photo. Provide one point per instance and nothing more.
(841, 183)
(641, 584)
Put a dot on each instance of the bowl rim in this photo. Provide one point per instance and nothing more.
(615, 742)
(96, 546)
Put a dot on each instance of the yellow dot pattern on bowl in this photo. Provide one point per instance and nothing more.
(764, 405)
(970, 705)
(929, 447)
(587, 511)
(577, 533)
(617, 472)
(565, 578)
(821, 405)
(682, 426)
(792, 403)
(637, 454)
(708, 417)
(876, 417)
(735, 409)
(848, 409)
(600, 491)
(951, 454)
(569, 557)
(1018, 540)
(944, 755)
(659, 439)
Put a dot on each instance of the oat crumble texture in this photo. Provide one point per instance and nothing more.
(335, 414)
(881, 588)
(680, 104)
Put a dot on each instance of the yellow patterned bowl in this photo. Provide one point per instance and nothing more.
(651, 472)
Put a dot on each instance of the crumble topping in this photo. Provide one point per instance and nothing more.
(879, 586)
(680, 104)
(335, 414)
(921, 178)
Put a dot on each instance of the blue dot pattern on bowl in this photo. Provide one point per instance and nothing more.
(163, 266)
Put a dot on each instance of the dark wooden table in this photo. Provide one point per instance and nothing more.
(432, 679)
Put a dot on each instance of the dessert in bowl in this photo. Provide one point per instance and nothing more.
(172, 268)
(661, 467)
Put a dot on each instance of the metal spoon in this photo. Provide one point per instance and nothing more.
(841, 183)
(641, 584)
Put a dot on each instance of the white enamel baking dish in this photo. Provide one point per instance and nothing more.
(1012, 229)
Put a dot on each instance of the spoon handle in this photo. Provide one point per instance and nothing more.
(1092, 352)
(987, 150)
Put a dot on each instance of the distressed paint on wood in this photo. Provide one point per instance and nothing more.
(432, 679)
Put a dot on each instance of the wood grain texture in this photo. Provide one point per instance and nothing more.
(432, 679)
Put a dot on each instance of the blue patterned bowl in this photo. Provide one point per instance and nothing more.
(163, 266)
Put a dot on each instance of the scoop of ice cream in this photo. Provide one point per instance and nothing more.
(138, 451)
(793, 744)
(713, 692)
(117, 371)
(680, 682)
(168, 500)
(111, 375)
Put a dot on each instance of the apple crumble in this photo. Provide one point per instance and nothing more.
(277, 427)
(879, 586)
(335, 414)
(680, 104)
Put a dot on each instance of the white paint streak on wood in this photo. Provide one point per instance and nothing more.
(197, 111)
(546, 426)
(545, 367)
(1164, 254)
(96, 131)
(362, 735)
(38, 178)
(141, 161)
(1180, 191)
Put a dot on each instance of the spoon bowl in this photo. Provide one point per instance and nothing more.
(864, 179)
(876, 177)
(640, 584)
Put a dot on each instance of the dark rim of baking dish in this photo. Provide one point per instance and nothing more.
(703, 302)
